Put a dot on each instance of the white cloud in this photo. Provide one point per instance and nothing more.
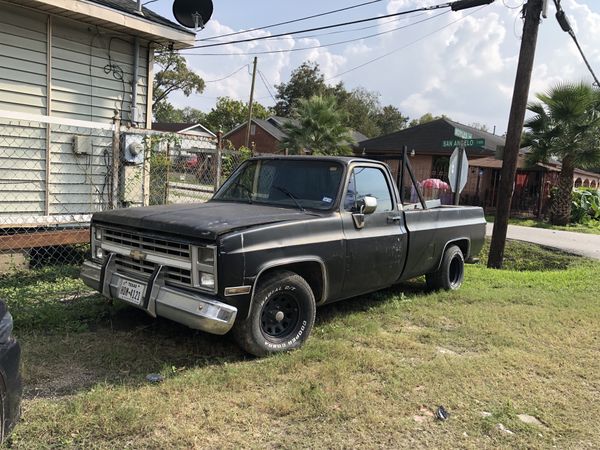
(465, 70)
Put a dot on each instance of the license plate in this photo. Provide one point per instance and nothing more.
(131, 292)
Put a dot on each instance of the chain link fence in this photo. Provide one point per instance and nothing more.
(54, 175)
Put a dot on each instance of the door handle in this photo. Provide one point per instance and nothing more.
(392, 219)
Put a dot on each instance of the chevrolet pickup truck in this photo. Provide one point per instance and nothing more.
(282, 236)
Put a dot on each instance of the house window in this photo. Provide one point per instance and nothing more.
(252, 129)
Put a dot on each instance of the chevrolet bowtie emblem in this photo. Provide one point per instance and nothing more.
(138, 255)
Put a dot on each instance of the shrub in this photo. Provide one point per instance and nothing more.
(585, 205)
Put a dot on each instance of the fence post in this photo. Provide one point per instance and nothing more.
(116, 164)
(219, 159)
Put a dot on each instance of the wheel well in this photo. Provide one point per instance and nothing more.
(311, 271)
(463, 244)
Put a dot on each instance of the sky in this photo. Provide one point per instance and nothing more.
(461, 64)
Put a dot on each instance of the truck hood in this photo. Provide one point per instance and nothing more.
(205, 221)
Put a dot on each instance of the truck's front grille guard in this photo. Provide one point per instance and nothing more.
(172, 250)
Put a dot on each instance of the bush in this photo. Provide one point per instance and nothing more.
(585, 205)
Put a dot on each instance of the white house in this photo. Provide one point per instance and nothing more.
(70, 70)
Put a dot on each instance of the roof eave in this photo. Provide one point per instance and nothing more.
(133, 24)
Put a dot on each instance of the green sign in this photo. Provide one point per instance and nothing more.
(463, 143)
(462, 134)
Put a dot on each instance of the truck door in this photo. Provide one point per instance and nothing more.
(375, 252)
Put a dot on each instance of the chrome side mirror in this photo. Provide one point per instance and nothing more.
(368, 205)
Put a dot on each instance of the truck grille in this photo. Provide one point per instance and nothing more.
(143, 270)
(147, 244)
(175, 257)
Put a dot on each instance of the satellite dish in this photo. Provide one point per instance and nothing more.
(193, 13)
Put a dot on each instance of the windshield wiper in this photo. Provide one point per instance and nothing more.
(290, 195)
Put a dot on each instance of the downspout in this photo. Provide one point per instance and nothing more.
(134, 81)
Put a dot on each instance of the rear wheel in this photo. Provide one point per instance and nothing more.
(451, 273)
(281, 317)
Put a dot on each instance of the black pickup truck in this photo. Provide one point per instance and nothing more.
(280, 237)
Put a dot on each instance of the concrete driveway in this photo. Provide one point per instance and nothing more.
(568, 241)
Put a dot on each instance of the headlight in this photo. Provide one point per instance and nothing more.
(96, 238)
(6, 327)
(206, 255)
(207, 280)
(205, 267)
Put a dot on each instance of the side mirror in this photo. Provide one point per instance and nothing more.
(367, 205)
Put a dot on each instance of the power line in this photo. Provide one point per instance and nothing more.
(267, 52)
(566, 27)
(289, 21)
(264, 80)
(326, 27)
(397, 19)
(228, 76)
(385, 55)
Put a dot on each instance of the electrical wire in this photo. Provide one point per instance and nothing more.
(268, 52)
(289, 21)
(397, 19)
(404, 46)
(326, 27)
(574, 37)
(264, 80)
(228, 76)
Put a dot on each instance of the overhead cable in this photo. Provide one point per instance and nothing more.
(385, 55)
(563, 21)
(289, 21)
(267, 52)
(326, 27)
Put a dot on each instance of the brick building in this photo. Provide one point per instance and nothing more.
(266, 135)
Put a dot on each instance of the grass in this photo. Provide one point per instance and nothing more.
(591, 227)
(376, 367)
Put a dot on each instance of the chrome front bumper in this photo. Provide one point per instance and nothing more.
(197, 311)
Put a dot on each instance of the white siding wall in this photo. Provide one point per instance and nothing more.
(22, 89)
(91, 72)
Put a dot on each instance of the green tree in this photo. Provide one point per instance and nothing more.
(229, 113)
(305, 81)
(167, 113)
(427, 117)
(319, 128)
(389, 120)
(566, 126)
(173, 75)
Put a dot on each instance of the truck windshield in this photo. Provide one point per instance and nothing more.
(290, 183)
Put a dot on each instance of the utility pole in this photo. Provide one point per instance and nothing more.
(251, 104)
(532, 11)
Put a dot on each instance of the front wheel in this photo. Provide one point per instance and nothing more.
(451, 273)
(281, 317)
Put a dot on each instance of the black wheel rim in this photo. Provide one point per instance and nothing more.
(455, 274)
(279, 316)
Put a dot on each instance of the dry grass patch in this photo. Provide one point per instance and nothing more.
(521, 343)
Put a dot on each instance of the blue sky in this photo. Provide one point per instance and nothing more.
(465, 68)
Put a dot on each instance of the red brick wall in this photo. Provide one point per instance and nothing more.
(263, 141)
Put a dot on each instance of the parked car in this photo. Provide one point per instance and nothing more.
(10, 375)
(282, 236)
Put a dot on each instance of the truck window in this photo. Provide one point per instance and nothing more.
(368, 181)
(290, 183)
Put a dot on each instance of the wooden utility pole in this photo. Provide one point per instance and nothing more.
(251, 103)
(532, 11)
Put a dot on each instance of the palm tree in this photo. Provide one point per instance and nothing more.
(318, 128)
(565, 126)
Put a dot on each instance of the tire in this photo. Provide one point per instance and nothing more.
(451, 273)
(281, 316)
